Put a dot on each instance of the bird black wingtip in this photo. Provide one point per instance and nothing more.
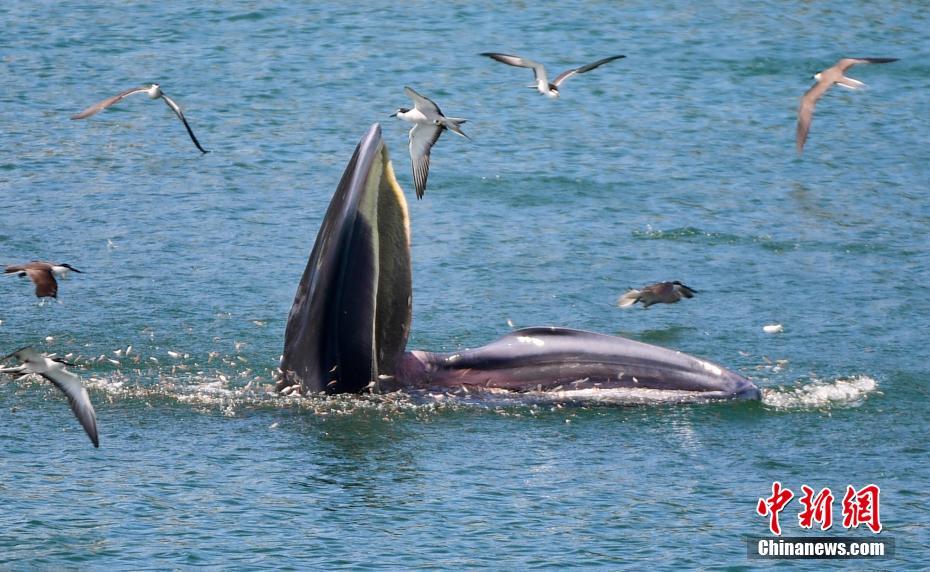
(14, 352)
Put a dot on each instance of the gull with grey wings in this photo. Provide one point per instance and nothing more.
(154, 91)
(52, 369)
(542, 84)
(42, 274)
(825, 80)
(428, 124)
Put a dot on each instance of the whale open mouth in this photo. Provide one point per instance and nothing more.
(351, 314)
(347, 329)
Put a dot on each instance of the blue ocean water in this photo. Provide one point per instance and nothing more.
(676, 162)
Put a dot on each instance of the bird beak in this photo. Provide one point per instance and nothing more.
(393, 114)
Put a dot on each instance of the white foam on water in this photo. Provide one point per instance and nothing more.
(250, 389)
(819, 394)
(230, 394)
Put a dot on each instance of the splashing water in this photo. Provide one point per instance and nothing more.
(231, 392)
(843, 392)
(218, 392)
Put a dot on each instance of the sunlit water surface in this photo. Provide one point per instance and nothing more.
(677, 162)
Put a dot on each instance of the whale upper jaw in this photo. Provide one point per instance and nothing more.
(347, 329)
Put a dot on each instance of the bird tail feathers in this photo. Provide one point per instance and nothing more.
(452, 124)
(629, 298)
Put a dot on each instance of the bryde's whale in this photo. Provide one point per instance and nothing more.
(347, 329)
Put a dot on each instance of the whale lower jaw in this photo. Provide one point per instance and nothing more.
(563, 359)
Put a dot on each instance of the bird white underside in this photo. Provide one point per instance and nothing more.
(542, 86)
(629, 298)
(417, 116)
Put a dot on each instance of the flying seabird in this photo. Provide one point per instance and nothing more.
(154, 92)
(542, 80)
(43, 275)
(661, 292)
(825, 80)
(428, 124)
(53, 370)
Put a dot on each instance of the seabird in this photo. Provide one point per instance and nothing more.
(542, 80)
(53, 370)
(154, 92)
(661, 292)
(428, 124)
(43, 275)
(825, 80)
